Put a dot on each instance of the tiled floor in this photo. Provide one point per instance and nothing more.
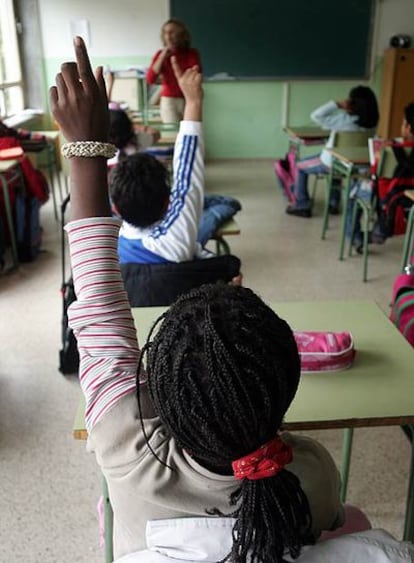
(50, 484)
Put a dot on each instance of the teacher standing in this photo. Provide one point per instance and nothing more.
(177, 42)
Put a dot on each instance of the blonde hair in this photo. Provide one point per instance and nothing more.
(184, 35)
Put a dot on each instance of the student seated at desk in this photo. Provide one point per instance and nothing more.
(196, 445)
(160, 224)
(127, 138)
(364, 189)
(29, 140)
(358, 112)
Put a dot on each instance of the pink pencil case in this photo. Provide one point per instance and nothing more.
(325, 351)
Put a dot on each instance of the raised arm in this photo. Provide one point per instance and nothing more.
(155, 67)
(101, 316)
(190, 82)
(79, 104)
(176, 236)
(333, 115)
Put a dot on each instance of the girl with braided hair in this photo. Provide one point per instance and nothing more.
(196, 466)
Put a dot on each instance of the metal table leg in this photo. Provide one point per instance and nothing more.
(346, 461)
(409, 511)
(345, 198)
(108, 514)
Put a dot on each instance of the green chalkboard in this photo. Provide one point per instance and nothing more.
(280, 38)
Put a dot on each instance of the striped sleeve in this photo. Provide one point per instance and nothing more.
(175, 237)
(101, 317)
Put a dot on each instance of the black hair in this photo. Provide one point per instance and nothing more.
(222, 370)
(409, 116)
(139, 188)
(121, 129)
(363, 103)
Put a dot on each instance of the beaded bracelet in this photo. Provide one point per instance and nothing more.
(88, 149)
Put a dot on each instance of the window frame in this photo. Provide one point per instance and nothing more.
(7, 85)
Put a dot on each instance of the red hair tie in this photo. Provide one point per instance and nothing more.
(266, 461)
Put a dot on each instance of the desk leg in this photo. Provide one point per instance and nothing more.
(222, 246)
(294, 147)
(346, 461)
(409, 511)
(327, 199)
(109, 552)
(408, 250)
(345, 198)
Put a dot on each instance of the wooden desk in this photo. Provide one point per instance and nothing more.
(377, 390)
(299, 136)
(10, 172)
(53, 163)
(138, 75)
(346, 162)
(167, 137)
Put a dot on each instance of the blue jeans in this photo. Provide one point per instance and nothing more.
(363, 192)
(217, 209)
(301, 188)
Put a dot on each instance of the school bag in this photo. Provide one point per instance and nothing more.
(68, 354)
(286, 174)
(393, 206)
(25, 202)
(325, 350)
(402, 304)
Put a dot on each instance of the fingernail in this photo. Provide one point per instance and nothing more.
(77, 41)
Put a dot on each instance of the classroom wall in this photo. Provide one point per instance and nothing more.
(242, 119)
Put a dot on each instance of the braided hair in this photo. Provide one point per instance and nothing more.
(222, 370)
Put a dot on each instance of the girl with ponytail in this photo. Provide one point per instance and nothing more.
(187, 431)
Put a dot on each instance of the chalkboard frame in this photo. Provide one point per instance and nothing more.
(362, 64)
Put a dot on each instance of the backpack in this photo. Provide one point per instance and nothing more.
(393, 206)
(68, 354)
(402, 306)
(35, 181)
(286, 173)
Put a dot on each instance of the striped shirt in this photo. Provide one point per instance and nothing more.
(101, 317)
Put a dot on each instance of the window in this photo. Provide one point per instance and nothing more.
(11, 85)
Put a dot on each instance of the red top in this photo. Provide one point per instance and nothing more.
(186, 58)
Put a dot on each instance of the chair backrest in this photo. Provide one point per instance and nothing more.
(387, 163)
(348, 139)
(154, 285)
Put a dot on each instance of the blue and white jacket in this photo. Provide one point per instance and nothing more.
(174, 239)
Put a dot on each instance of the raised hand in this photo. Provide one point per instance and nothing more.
(189, 80)
(78, 101)
(79, 105)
